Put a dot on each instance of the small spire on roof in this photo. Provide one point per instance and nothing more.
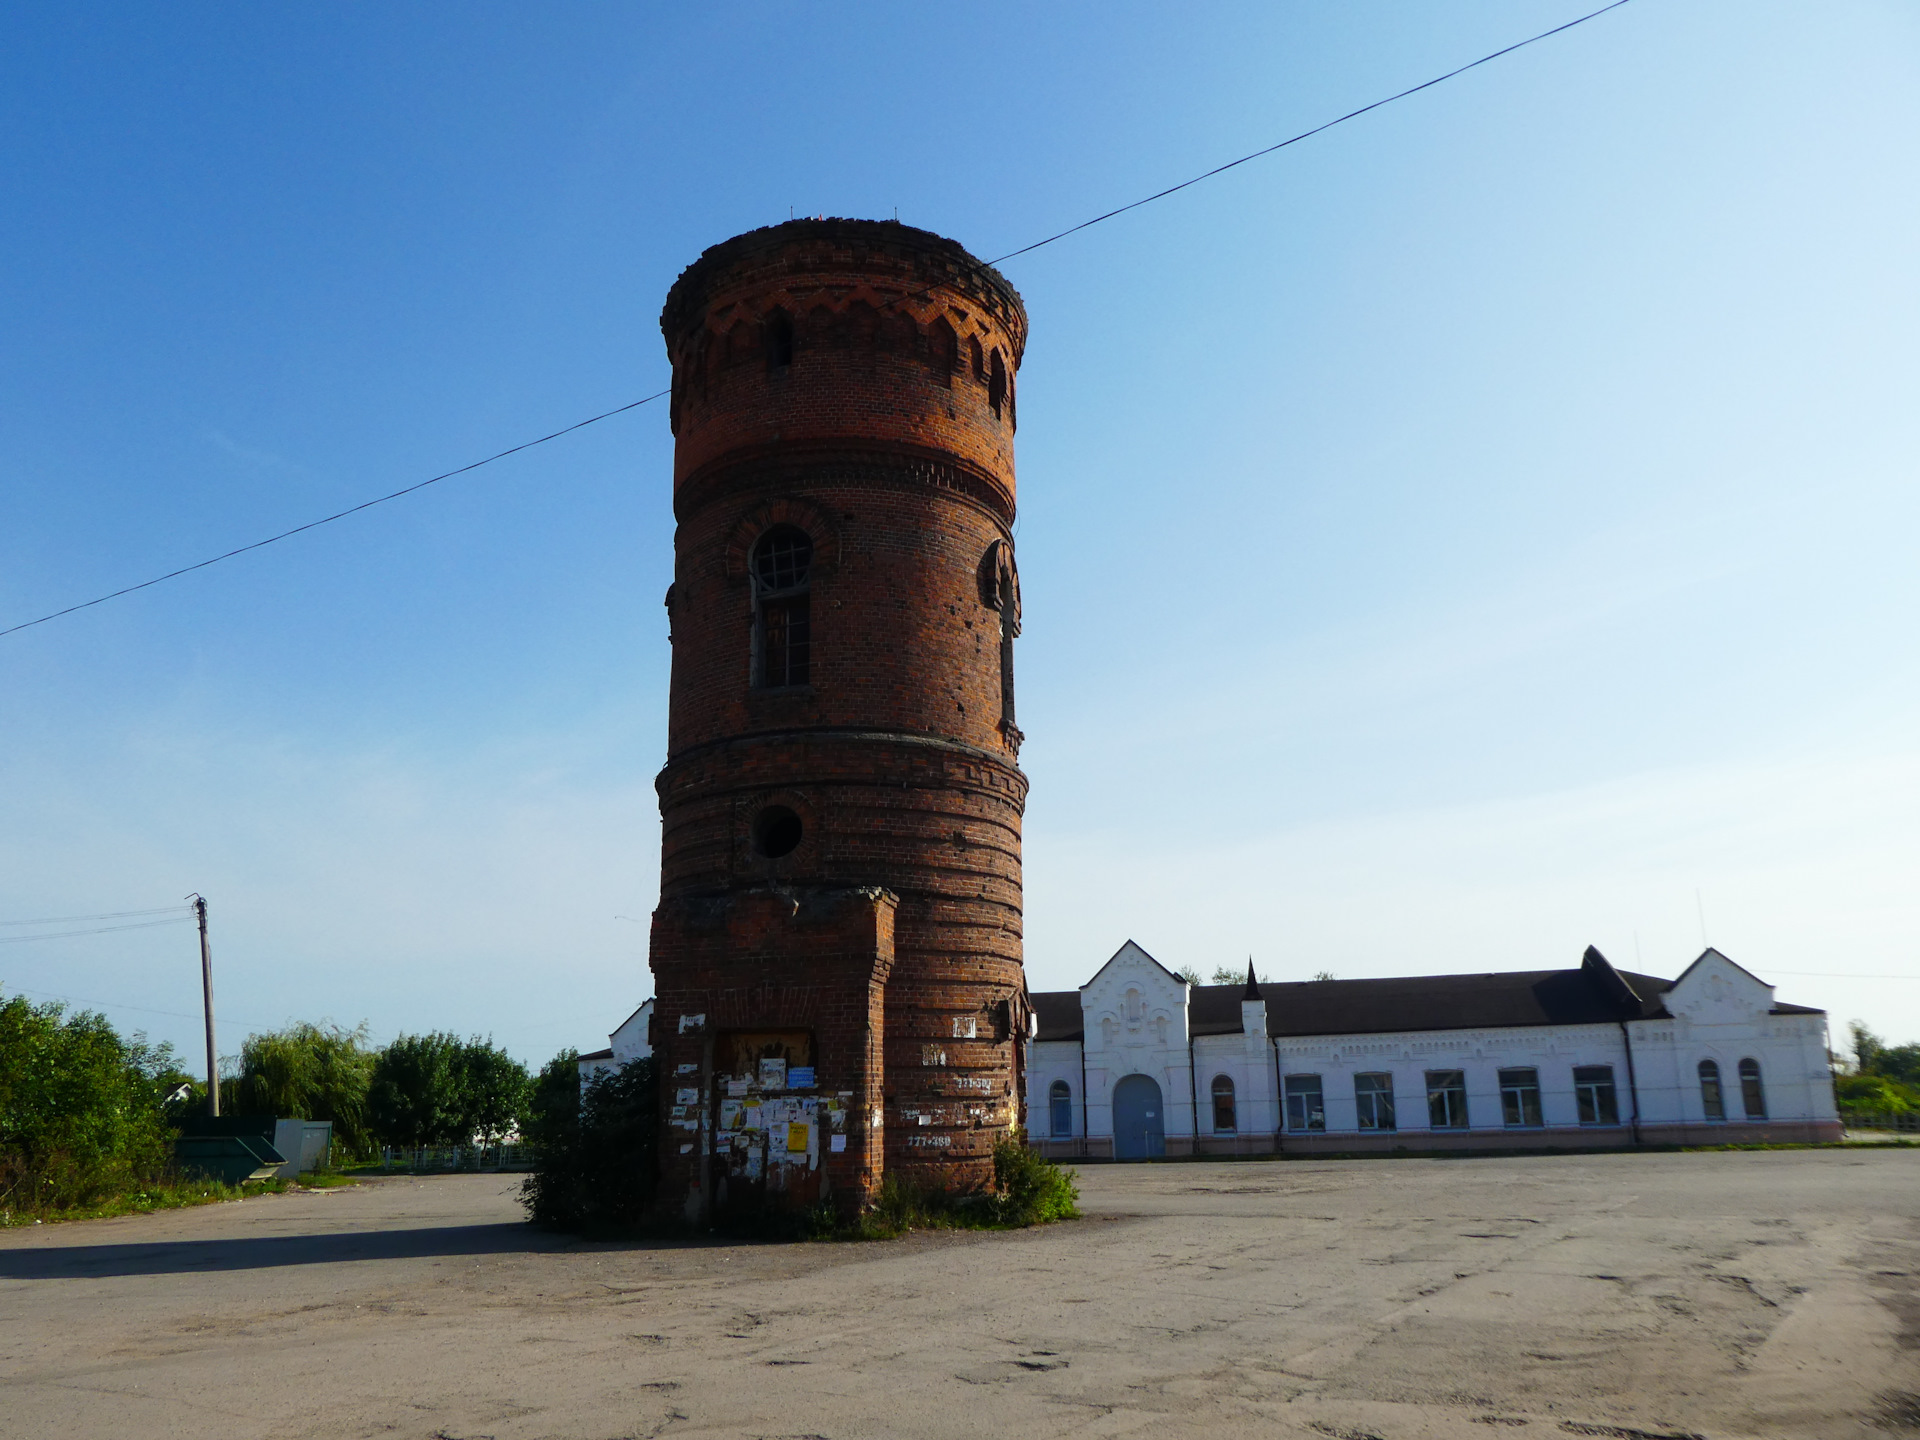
(1252, 992)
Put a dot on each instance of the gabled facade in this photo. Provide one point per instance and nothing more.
(1138, 1063)
(629, 1041)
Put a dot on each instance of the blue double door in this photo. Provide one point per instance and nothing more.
(1139, 1120)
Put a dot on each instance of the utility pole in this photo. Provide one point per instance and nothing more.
(206, 995)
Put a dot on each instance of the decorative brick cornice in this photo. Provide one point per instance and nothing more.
(794, 464)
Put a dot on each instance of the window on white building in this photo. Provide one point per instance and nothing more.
(1751, 1095)
(1373, 1095)
(1593, 1091)
(1225, 1122)
(1306, 1106)
(1712, 1100)
(1060, 1108)
(1520, 1097)
(1447, 1099)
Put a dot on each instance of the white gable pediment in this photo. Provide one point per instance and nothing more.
(1135, 1000)
(1715, 991)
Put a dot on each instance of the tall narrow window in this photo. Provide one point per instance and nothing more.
(943, 349)
(1373, 1094)
(1060, 1109)
(1594, 1093)
(1447, 1099)
(1225, 1122)
(782, 575)
(997, 383)
(1751, 1095)
(1712, 1100)
(976, 358)
(1306, 1103)
(779, 341)
(1520, 1097)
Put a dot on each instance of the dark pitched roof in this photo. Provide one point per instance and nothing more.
(1058, 1014)
(597, 1055)
(1594, 994)
(1459, 1002)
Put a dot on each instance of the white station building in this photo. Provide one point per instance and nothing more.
(627, 1042)
(1138, 1063)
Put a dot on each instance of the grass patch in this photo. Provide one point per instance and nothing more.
(328, 1179)
(173, 1194)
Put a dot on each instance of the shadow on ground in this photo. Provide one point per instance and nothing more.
(268, 1252)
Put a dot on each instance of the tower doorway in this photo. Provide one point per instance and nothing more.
(1139, 1120)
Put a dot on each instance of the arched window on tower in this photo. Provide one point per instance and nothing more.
(1060, 1109)
(997, 384)
(976, 358)
(1713, 1103)
(1752, 1097)
(782, 638)
(779, 341)
(1225, 1120)
(943, 349)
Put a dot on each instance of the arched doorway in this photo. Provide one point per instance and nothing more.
(1139, 1120)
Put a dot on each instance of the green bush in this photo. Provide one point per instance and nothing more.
(1027, 1189)
(596, 1147)
(1032, 1190)
(1874, 1093)
(81, 1116)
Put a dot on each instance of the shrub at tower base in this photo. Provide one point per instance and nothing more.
(1028, 1189)
(596, 1155)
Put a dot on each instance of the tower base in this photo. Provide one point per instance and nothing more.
(772, 1013)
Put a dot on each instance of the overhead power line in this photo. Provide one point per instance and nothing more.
(102, 930)
(340, 515)
(998, 260)
(155, 1010)
(1307, 134)
(109, 915)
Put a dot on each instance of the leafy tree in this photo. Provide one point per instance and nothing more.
(80, 1108)
(489, 1092)
(1900, 1063)
(1227, 975)
(312, 1072)
(414, 1099)
(1190, 975)
(552, 1117)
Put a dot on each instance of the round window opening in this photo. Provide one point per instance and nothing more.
(776, 832)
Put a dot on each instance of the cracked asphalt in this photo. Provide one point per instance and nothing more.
(1721, 1294)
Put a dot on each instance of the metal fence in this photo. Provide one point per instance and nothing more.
(1902, 1120)
(453, 1159)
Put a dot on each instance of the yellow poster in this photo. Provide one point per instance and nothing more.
(796, 1139)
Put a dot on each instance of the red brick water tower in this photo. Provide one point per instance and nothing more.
(836, 953)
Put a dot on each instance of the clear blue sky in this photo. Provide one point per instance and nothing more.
(1466, 536)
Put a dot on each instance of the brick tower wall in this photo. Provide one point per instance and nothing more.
(854, 381)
